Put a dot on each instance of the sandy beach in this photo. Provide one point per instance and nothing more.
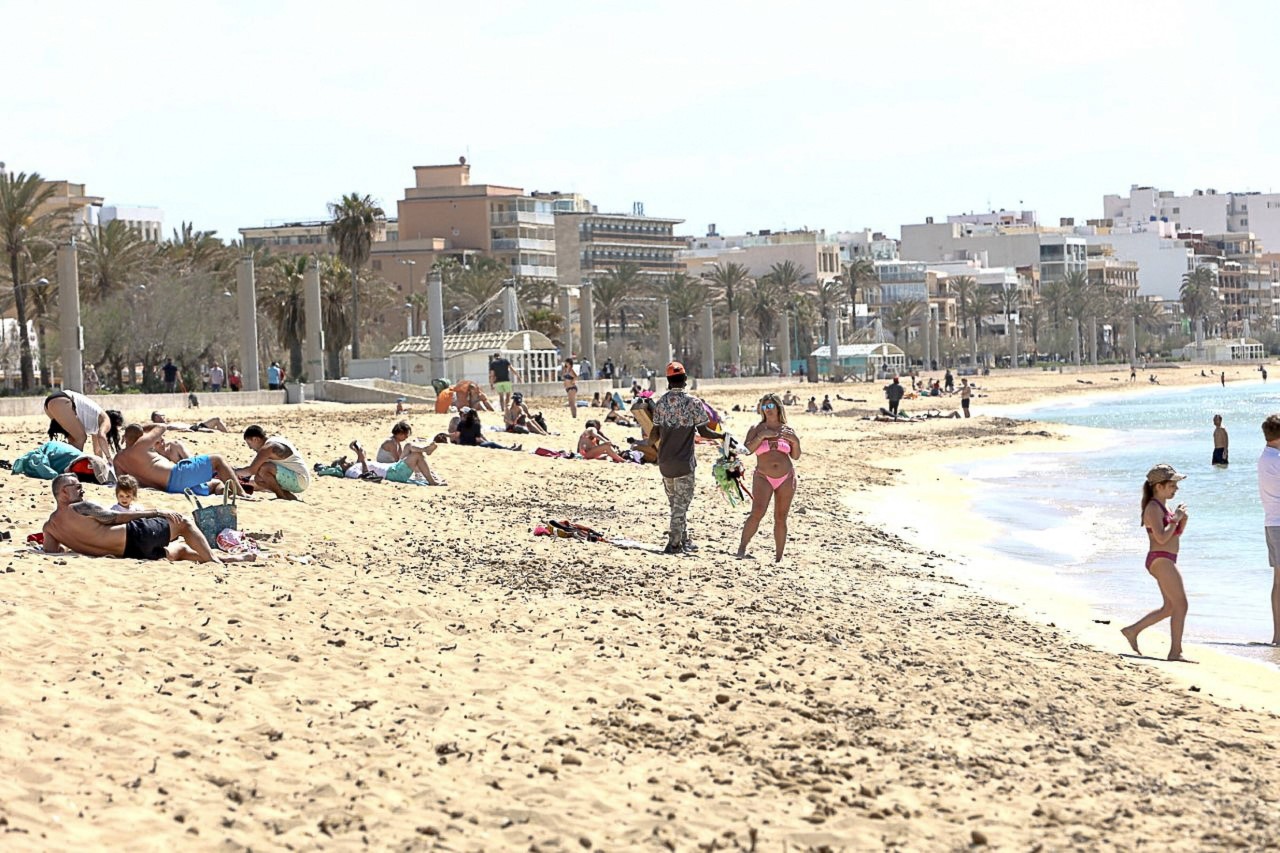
(411, 668)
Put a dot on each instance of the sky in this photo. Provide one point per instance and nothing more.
(745, 114)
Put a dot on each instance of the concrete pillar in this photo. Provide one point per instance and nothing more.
(587, 316)
(435, 321)
(69, 327)
(664, 336)
(1093, 341)
(1133, 341)
(1013, 330)
(784, 346)
(833, 341)
(925, 344)
(565, 309)
(313, 340)
(708, 343)
(510, 308)
(247, 294)
(735, 342)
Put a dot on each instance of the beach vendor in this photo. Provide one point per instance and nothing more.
(143, 457)
(87, 528)
(776, 446)
(677, 417)
(277, 465)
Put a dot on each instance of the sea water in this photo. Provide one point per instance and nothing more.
(1078, 513)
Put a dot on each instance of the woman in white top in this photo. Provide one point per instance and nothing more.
(78, 420)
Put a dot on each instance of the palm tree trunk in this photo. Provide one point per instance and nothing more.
(735, 343)
(355, 315)
(973, 342)
(295, 360)
(46, 380)
(334, 369)
(24, 345)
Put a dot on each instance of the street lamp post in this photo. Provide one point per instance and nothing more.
(408, 301)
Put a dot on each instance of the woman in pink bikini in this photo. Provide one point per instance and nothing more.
(1164, 532)
(775, 445)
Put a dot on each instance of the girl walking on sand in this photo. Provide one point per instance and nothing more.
(776, 447)
(1164, 533)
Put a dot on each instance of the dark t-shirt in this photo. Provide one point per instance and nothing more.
(678, 416)
(894, 391)
(501, 368)
(469, 432)
(170, 372)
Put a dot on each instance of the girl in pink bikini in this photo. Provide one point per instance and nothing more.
(1164, 532)
(776, 446)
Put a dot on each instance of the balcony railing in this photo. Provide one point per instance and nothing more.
(511, 217)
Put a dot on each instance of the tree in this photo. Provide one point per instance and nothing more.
(686, 297)
(476, 285)
(21, 197)
(1198, 298)
(902, 315)
(544, 320)
(1080, 302)
(354, 220)
(858, 273)
(610, 291)
(762, 304)
(283, 303)
(113, 257)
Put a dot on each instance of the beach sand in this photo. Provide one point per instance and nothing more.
(412, 669)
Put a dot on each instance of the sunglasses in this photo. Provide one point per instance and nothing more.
(768, 405)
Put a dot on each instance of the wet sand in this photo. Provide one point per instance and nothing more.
(412, 669)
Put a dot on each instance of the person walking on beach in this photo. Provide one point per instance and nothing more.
(894, 391)
(949, 381)
(1164, 535)
(1219, 442)
(966, 391)
(1269, 491)
(776, 446)
(501, 372)
(677, 416)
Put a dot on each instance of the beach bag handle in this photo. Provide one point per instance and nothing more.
(215, 518)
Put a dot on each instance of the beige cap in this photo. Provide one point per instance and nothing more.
(1164, 473)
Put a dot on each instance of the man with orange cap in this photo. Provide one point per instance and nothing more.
(677, 417)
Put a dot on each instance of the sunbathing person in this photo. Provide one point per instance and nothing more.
(518, 419)
(593, 444)
(81, 421)
(617, 415)
(206, 425)
(468, 393)
(277, 466)
(392, 450)
(144, 459)
(86, 528)
(471, 433)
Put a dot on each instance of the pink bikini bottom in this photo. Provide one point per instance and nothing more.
(776, 482)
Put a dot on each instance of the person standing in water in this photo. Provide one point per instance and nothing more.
(1269, 491)
(1164, 535)
(1219, 442)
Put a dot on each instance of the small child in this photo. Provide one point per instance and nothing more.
(127, 495)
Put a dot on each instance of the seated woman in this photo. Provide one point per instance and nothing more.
(789, 399)
(518, 419)
(812, 408)
(617, 416)
(595, 400)
(412, 467)
(593, 444)
(83, 422)
(470, 432)
(392, 450)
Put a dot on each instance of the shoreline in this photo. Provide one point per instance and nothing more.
(930, 487)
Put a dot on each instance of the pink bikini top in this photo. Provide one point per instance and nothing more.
(779, 444)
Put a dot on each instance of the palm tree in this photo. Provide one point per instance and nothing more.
(111, 258)
(476, 285)
(283, 303)
(730, 278)
(789, 276)
(354, 220)
(762, 303)
(611, 290)
(21, 196)
(686, 297)
(983, 302)
(902, 315)
(1080, 304)
(1198, 298)
(544, 320)
(335, 310)
(858, 273)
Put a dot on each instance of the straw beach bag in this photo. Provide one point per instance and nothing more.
(212, 520)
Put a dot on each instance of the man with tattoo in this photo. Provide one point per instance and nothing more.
(87, 528)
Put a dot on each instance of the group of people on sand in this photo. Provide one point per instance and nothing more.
(1165, 528)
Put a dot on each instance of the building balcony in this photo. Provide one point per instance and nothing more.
(521, 217)
(530, 271)
(605, 235)
(521, 244)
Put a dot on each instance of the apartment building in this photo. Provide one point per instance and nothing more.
(74, 202)
(1053, 252)
(590, 243)
(1119, 277)
(1161, 257)
(1207, 211)
(306, 237)
(866, 244)
(148, 222)
(813, 251)
(1246, 279)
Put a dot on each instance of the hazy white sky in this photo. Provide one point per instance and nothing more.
(750, 115)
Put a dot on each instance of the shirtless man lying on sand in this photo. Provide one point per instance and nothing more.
(86, 528)
(206, 425)
(144, 457)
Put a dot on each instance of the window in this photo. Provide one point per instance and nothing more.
(377, 265)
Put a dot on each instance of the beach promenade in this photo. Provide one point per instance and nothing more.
(411, 669)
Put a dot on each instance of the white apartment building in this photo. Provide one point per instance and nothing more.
(813, 251)
(1055, 252)
(1204, 210)
(147, 221)
(866, 244)
(1161, 257)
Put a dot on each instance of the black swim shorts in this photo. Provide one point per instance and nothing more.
(146, 538)
(1219, 456)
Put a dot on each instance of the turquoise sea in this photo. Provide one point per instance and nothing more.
(1078, 512)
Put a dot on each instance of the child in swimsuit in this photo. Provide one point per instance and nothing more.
(776, 447)
(1164, 533)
